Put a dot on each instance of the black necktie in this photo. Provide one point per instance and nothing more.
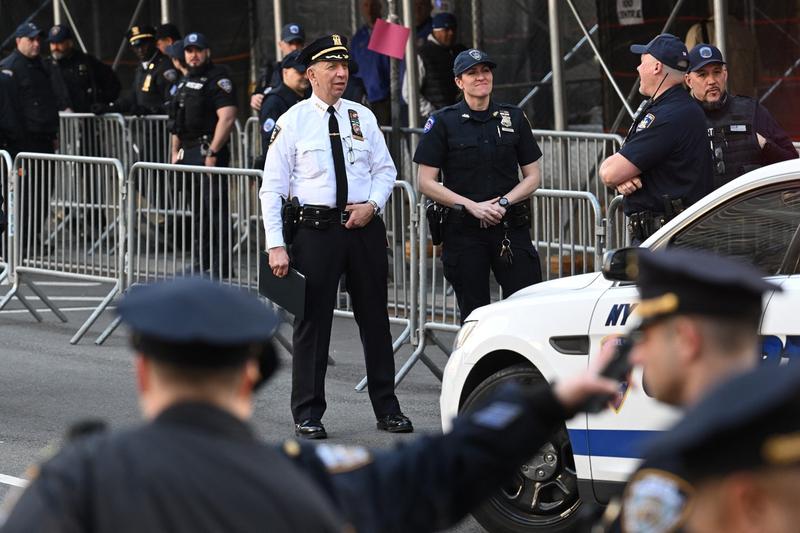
(338, 160)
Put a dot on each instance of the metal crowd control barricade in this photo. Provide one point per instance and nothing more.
(67, 222)
(149, 139)
(89, 135)
(251, 140)
(617, 225)
(404, 160)
(6, 164)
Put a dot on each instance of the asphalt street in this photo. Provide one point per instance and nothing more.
(47, 384)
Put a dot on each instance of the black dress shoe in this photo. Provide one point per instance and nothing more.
(396, 423)
(310, 429)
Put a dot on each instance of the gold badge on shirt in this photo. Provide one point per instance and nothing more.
(355, 125)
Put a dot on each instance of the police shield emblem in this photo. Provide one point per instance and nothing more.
(475, 54)
(655, 500)
(705, 52)
(505, 119)
(226, 85)
(268, 125)
(337, 41)
(428, 125)
(646, 122)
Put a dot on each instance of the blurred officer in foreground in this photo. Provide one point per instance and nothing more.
(151, 83)
(330, 155)
(195, 465)
(83, 80)
(480, 146)
(293, 38)
(38, 111)
(741, 449)
(205, 112)
(700, 315)
(743, 134)
(664, 165)
(292, 89)
(166, 35)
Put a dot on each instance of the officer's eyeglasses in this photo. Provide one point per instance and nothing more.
(719, 160)
(351, 156)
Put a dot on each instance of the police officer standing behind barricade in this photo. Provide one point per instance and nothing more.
(38, 111)
(82, 79)
(330, 155)
(480, 146)
(293, 38)
(699, 318)
(151, 82)
(664, 165)
(292, 89)
(742, 133)
(205, 112)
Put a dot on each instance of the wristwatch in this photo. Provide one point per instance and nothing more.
(211, 153)
(375, 207)
(503, 202)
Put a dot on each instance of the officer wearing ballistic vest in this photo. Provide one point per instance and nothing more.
(151, 82)
(38, 112)
(84, 79)
(330, 155)
(293, 38)
(435, 64)
(742, 133)
(292, 89)
(205, 113)
(664, 165)
(480, 145)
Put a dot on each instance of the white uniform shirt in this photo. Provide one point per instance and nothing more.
(300, 161)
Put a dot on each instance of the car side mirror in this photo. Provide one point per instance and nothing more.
(621, 264)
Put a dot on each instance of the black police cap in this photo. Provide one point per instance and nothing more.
(59, 33)
(292, 32)
(704, 54)
(683, 281)
(28, 29)
(666, 48)
(292, 60)
(167, 30)
(175, 50)
(469, 58)
(194, 322)
(327, 48)
(139, 33)
(752, 421)
(197, 40)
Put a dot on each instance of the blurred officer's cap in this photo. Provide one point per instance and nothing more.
(193, 322)
(198, 40)
(292, 60)
(666, 48)
(469, 58)
(695, 282)
(327, 48)
(292, 32)
(703, 54)
(168, 30)
(175, 50)
(444, 20)
(28, 29)
(59, 33)
(750, 422)
(138, 34)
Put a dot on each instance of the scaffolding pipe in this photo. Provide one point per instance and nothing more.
(277, 10)
(56, 11)
(125, 37)
(411, 66)
(254, 39)
(72, 23)
(477, 29)
(557, 64)
(721, 25)
(600, 58)
(165, 14)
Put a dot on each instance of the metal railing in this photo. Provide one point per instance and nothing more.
(251, 140)
(6, 164)
(616, 225)
(68, 223)
(89, 135)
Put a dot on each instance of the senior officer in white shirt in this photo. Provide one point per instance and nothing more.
(329, 153)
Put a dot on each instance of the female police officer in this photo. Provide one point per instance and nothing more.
(479, 145)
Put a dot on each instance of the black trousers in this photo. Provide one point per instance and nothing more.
(323, 256)
(470, 252)
(210, 211)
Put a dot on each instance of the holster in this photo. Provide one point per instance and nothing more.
(290, 214)
(437, 217)
(519, 214)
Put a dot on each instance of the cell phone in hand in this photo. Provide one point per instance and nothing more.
(617, 369)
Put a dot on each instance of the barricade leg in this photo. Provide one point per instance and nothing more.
(95, 314)
(108, 331)
(45, 300)
(24, 301)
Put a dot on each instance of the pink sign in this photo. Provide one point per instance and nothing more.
(389, 39)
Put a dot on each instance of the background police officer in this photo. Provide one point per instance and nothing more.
(205, 112)
(293, 88)
(151, 83)
(37, 111)
(341, 195)
(81, 78)
(664, 165)
(743, 134)
(166, 34)
(480, 145)
(293, 37)
(700, 315)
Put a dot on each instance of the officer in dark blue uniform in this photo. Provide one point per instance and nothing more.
(293, 88)
(293, 38)
(202, 350)
(664, 165)
(741, 450)
(480, 146)
(79, 79)
(700, 315)
(742, 133)
(38, 111)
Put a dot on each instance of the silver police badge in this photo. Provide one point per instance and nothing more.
(226, 85)
(475, 54)
(505, 119)
(654, 502)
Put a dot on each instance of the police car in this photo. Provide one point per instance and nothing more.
(552, 329)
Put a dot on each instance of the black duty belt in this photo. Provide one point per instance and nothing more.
(321, 216)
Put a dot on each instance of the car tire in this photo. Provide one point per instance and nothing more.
(549, 479)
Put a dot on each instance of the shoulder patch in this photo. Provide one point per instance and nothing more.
(268, 125)
(496, 415)
(646, 122)
(655, 500)
(275, 133)
(8, 72)
(226, 85)
(429, 124)
(338, 458)
(171, 75)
